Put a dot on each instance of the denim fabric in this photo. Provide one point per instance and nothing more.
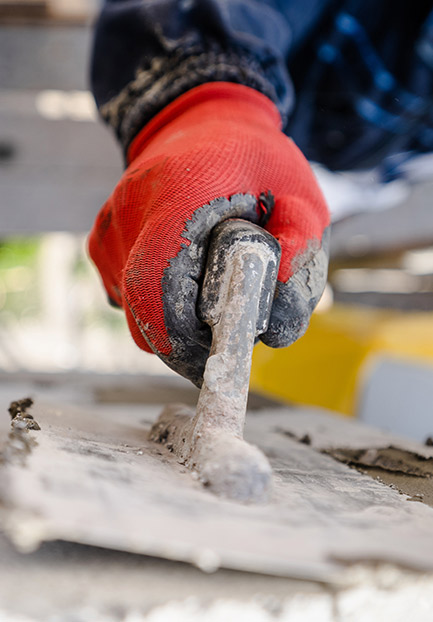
(353, 79)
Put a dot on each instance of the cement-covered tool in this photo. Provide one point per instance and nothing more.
(236, 301)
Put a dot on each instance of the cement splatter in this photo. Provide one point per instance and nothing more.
(20, 418)
(19, 442)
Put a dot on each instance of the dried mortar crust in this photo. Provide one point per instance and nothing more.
(21, 419)
(19, 442)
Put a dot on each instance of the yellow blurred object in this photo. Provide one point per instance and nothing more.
(326, 367)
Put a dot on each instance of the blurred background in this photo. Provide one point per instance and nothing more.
(369, 349)
(58, 165)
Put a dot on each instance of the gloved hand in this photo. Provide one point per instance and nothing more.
(216, 152)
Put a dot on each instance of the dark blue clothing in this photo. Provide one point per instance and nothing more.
(353, 79)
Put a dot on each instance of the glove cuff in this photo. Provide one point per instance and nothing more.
(223, 97)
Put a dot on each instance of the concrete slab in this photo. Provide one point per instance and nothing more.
(91, 476)
(345, 547)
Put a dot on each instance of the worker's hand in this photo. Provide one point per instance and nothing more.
(214, 153)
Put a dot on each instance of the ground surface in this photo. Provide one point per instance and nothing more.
(333, 544)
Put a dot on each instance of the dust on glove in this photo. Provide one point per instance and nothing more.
(216, 152)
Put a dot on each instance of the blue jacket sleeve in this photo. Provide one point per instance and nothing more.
(362, 70)
(148, 52)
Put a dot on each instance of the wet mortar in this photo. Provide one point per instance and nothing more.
(406, 471)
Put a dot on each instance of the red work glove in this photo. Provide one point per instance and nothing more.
(216, 152)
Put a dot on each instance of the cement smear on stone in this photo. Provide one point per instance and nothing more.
(408, 472)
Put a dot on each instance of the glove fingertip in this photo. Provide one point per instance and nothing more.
(284, 331)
